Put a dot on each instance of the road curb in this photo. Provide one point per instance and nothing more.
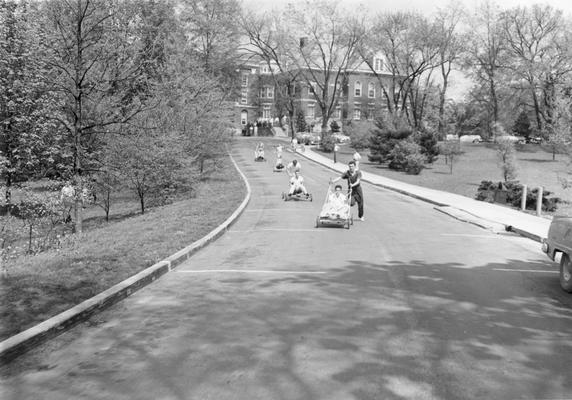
(401, 191)
(32, 337)
(478, 221)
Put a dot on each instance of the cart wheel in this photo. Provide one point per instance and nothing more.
(317, 222)
(347, 225)
(310, 197)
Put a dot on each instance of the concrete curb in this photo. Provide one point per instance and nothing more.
(478, 221)
(26, 340)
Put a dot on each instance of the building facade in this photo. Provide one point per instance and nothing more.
(361, 97)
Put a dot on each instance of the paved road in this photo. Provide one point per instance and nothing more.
(409, 304)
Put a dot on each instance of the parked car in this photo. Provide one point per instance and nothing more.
(339, 138)
(471, 138)
(558, 247)
(511, 138)
(534, 140)
(308, 138)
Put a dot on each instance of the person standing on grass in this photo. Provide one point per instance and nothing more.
(353, 177)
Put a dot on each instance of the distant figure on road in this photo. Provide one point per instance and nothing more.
(357, 158)
(293, 166)
(353, 177)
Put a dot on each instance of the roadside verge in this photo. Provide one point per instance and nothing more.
(24, 341)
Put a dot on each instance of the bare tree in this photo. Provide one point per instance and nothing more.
(323, 46)
(487, 55)
(539, 47)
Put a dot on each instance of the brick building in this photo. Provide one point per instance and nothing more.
(361, 97)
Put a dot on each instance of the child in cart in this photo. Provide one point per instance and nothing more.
(279, 166)
(297, 185)
(336, 205)
(259, 152)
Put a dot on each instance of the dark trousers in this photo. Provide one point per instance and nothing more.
(357, 197)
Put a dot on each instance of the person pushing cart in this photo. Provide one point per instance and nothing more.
(353, 177)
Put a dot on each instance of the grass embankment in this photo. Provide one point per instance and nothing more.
(477, 163)
(39, 287)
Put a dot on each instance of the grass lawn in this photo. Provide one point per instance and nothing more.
(39, 287)
(477, 163)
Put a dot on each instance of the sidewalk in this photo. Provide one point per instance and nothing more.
(490, 216)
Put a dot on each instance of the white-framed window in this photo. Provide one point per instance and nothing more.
(264, 69)
(357, 113)
(244, 96)
(266, 92)
(244, 80)
(311, 113)
(266, 112)
(357, 89)
(377, 64)
(371, 90)
(370, 112)
(338, 112)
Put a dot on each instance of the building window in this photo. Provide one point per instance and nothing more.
(264, 69)
(266, 112)
(370, 112)
(371, 90)
(244, 96)
(311, 89)
(357, 113)
(311, 111)
(244, 80)
(377, 64)
(357, 89)
(266, 92)
(338, 113)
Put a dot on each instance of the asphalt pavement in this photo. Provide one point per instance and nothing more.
(494, 217)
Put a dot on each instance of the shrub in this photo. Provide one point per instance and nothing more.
(429, 145)
(406, 156)
(514, 195)
(335, 127)
(328, 142)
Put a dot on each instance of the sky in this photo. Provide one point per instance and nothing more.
(424, 6)
(458, 84)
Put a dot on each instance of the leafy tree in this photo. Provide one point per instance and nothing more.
(91, 50)
(301, 125)
(428, 145)
(359, 133)
(21, 96)
(384, 137)
(522, 125)
(506, 153)
(451, 149)
(406, 156)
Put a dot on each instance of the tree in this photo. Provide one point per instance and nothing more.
(409, 46)
(522, 125)
(487, 57)
(451, 149)
(384, 137)
(506, 153)
(91, 51)
(322, 46)
(301, 125)
(537, 41)
(22, 100)
(451, 48)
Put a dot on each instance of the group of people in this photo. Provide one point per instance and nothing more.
(336, 201)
